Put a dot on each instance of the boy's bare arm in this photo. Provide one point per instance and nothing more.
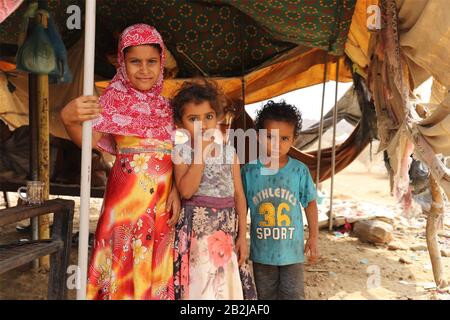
(311, 247)
(312, 215)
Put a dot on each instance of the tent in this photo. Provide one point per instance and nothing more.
(255, 50)
(276, 47)
(260, 49)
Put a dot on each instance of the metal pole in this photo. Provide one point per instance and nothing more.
(333, 153)
(86, 150)
(319, 150)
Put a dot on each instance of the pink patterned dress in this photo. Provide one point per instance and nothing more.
(206, 265)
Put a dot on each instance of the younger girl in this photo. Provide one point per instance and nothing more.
(210, 245)
(132, 256)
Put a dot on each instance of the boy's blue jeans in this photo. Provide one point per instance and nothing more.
(279, 282)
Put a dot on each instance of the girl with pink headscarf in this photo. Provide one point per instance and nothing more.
(132, 256)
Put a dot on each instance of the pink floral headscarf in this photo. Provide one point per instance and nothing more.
(127, 110)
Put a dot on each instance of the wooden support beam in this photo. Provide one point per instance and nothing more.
(18, 213)
(16, 254)
(434, 219)
(44, 146)
(33, 121)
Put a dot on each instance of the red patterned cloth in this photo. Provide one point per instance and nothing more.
(7, 7)
(132, 257)
(128, 111)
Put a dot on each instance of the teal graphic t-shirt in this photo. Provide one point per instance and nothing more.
(275, 201)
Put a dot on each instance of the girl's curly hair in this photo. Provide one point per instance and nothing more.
(279, 111)
(198, 91)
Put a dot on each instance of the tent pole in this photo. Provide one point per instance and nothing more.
(34, 147)
(86, 151)
(434, 220)
(243, 79)
(193, 62)
(243, 102)
(335, 114)
(319, 150)
(44, 145)
(333, 152)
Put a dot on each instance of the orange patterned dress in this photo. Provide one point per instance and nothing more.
(132, 257)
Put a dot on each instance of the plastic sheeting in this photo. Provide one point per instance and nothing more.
(348, 109)
(424, 28)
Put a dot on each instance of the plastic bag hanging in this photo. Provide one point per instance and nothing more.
(62, 73)
(36, 55)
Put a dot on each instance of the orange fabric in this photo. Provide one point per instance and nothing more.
(132, 256)
(357, 44)
(300, 71)
(6, 66)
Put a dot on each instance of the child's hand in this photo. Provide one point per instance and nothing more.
(174, 204)
(202, 149)
(241, 249)
(311, 249)
(80, 109)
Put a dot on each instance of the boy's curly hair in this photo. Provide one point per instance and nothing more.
(198, 91)
(279, 111)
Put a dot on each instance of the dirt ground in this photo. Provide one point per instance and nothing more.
(347, 268)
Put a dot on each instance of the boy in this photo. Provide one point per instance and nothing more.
(275, 198)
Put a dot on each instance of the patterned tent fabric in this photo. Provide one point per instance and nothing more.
(212, 37)
(320, 24)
